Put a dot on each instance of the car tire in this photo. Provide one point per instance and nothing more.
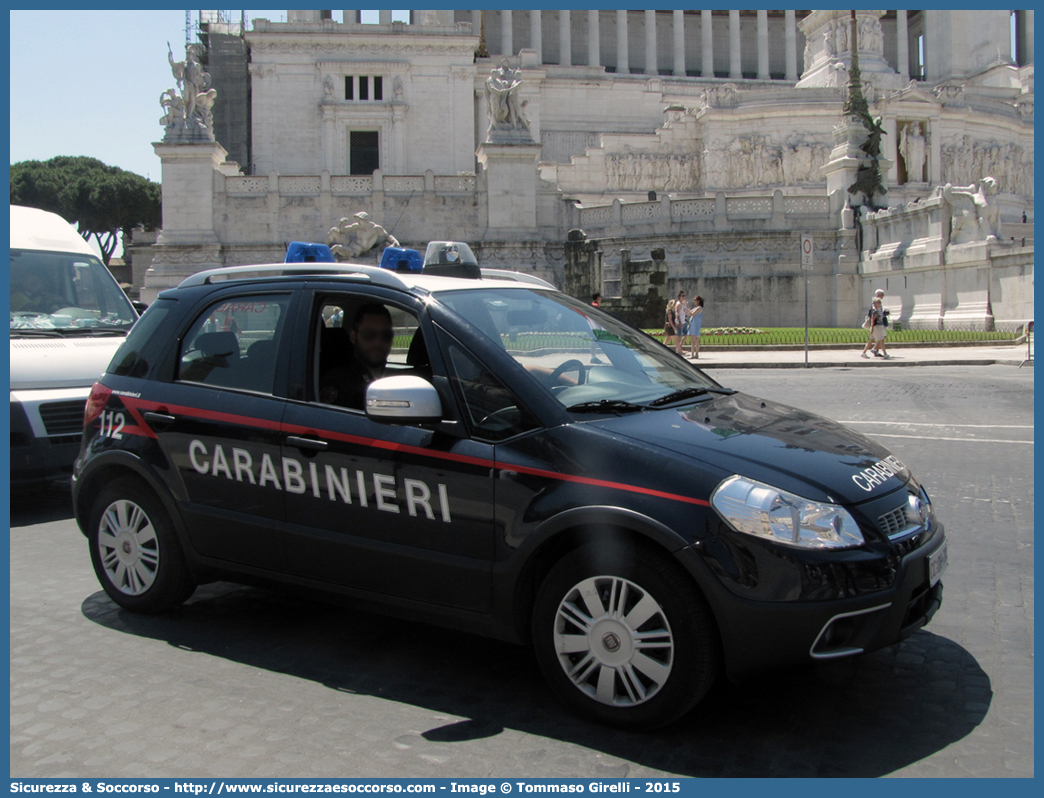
(624, 637)
(135, 551)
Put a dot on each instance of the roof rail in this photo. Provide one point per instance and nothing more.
(371, 273)
(517, 277)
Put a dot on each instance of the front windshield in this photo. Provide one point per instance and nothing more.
(577, 352)
(65, 293)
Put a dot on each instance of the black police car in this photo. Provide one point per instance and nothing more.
(485, 452)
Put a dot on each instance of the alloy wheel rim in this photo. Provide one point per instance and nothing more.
(613, 641)
(128, 547)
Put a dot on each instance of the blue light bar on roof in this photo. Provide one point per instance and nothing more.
(398, 259)
(304, 252)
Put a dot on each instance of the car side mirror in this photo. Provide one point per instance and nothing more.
(141, 307)
(403, 400)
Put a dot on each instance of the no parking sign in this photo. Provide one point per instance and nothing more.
(806, 251)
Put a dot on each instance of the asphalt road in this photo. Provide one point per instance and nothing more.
(243, 682)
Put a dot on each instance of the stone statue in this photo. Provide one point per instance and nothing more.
(366, 234)
(397, 88)
(328, 87)
(502, 100)
(976, 213)
(912, 147)
(188, 117)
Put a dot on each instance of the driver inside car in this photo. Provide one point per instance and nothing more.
(33, 295)
(371, 337)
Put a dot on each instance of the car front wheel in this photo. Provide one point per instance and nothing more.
(135, 551)
(625, 639)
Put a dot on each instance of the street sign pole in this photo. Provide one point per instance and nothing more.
(806, 267)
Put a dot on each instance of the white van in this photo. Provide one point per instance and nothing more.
(68, 318)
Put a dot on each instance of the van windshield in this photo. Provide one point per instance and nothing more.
(65, 294)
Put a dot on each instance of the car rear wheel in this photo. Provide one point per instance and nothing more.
(625, 638)
(135, 551)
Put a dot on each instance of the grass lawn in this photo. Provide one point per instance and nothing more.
(775, 336)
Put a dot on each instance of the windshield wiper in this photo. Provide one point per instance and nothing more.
(86, 331)
(44, 332)
(606, 406)
(688, 393)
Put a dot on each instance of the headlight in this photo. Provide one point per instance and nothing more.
(755, 508)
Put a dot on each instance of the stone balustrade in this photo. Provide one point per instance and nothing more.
(775, 210)
(348, 185)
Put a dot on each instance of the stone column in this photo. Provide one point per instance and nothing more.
(594, 40)
(350, 17)
(650, 43)
(1024, 37)
(622, 67)
(398, 146)
(902, 40)
(679, 43)
(385, 17)
(790, 37)
(763, 46)
(329, 134)
(707, 44)
(735, 64)
(565, 39)
(476, 21)
(507, 46)
(536, 35)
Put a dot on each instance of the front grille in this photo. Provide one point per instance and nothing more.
(63, 418)
(893, 522)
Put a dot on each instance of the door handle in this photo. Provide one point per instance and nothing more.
(158, 418)
(306, 443)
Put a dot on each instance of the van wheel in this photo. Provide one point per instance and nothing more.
(624, 638)
(135, 551)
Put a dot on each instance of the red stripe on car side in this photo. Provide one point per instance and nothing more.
(391, 446)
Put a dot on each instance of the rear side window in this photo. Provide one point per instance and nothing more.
(131, 359)
(234, 343)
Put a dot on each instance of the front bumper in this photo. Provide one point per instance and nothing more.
(46, 428)
(757, 635)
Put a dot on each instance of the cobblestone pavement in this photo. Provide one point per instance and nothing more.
(245, 682)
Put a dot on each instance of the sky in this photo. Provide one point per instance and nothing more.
(89, 82)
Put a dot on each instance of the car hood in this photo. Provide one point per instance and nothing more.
(788, 448)
(38, 363)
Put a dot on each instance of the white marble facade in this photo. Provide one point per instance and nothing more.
(714, 111)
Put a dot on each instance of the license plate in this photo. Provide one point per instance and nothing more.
(936, 565)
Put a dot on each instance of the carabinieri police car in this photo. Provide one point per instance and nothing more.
(479, 450)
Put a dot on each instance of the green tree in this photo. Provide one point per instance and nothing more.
(102, 200)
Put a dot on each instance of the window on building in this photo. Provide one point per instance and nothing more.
(378, 87)
(364, 87)
(364, 152)
(349, 87)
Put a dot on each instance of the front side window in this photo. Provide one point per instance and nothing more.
(493, 410)
(234, 343)
(359, 340)
(71, 294)
(576, 352)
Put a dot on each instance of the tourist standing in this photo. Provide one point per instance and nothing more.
(681, 320)
(695, 326)
(668, 324)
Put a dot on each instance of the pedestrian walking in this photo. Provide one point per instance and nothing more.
(596, 301)
(695, 326)
(668, 324)
(681, 320)
(878, 318)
